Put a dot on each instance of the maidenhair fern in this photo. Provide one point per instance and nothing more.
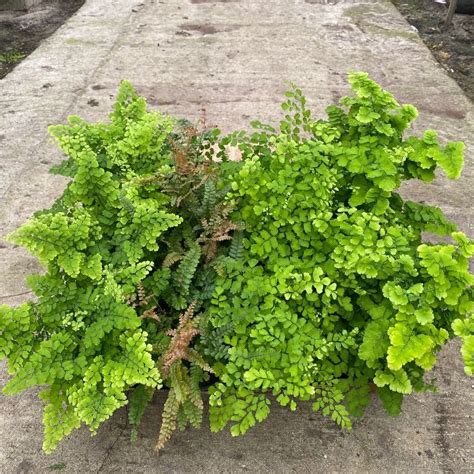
(297, 273)
(334, 290)
(124, 250)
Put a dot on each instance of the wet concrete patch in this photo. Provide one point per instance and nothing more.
(213, 1)
(206, 28)
(370, 19)
(155, 101)
(182, 33)
(322, 2)
(338, 27)
(25, 467)
(453, 113)
(166, 94)
(359, 12)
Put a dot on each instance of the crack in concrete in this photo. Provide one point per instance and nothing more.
(110, 449)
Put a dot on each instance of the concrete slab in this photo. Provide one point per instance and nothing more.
(231, 57)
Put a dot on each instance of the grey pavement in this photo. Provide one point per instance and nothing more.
(230, 57)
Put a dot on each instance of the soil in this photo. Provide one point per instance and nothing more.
(22, 31)
(452, 47)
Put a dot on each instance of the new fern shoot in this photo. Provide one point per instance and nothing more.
(296, 274)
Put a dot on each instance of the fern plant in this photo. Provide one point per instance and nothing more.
(334, 291)
(130, 244)
(297, 273)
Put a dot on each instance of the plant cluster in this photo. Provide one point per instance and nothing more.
(11, 57)
(335, 291)
(297, 273)
(130, 246)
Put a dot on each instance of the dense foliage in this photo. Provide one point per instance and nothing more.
(131, 245)
(335, 290)
(297, 273)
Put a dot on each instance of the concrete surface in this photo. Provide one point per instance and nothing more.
(231, 57)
